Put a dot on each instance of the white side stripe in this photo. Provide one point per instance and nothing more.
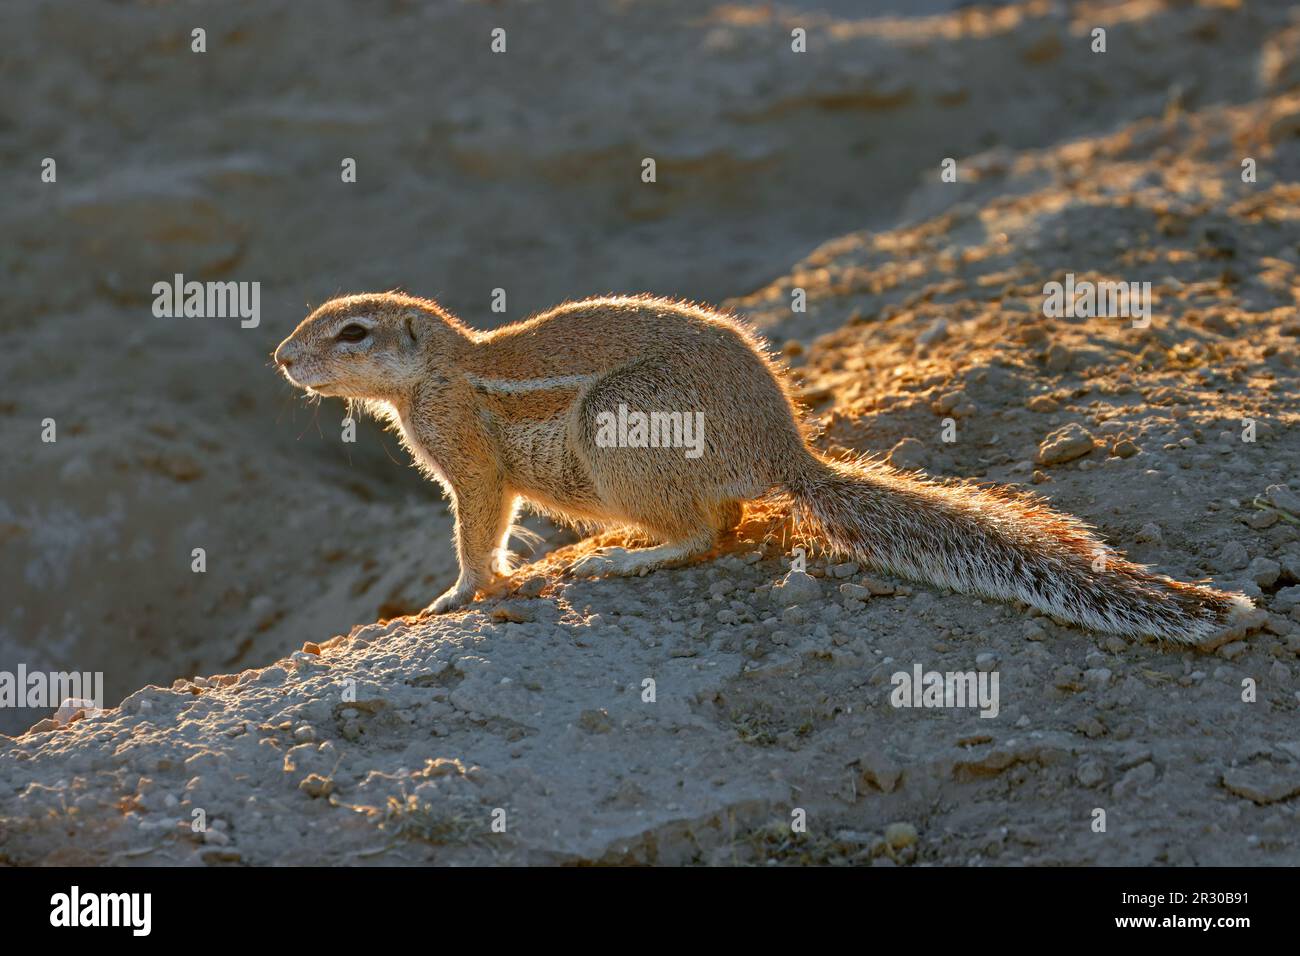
(517, 385)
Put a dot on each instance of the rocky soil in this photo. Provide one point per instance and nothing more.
(692, 714)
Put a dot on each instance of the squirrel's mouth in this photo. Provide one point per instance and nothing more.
(305, 384)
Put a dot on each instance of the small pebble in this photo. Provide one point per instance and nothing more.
(900, 835)
(936, 332)
(1233, 556)
(1090, 772)
(1097, 675)
(1232, 651)
(797, 587)
(1149, 533)
(908, 454)
(1264, 571)
(1125, 448)
(1065, 444)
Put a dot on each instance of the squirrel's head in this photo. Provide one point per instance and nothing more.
(372, 346)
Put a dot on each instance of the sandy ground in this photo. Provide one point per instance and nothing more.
(404, 741)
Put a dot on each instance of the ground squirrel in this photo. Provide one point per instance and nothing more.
(518, 415)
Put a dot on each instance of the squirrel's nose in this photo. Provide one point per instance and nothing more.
(282, 356)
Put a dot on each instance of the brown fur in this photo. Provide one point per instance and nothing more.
(512, 416)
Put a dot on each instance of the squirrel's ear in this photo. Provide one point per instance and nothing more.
(410, 329)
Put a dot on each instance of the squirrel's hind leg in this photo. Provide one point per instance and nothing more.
(627, 562)
(686, 540)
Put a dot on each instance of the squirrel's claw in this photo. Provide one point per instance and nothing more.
(453, 599)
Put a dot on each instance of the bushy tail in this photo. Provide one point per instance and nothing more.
(1005, 545)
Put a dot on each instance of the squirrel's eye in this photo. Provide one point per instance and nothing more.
(352, 333)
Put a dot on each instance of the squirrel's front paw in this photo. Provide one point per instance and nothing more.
(457, 597)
